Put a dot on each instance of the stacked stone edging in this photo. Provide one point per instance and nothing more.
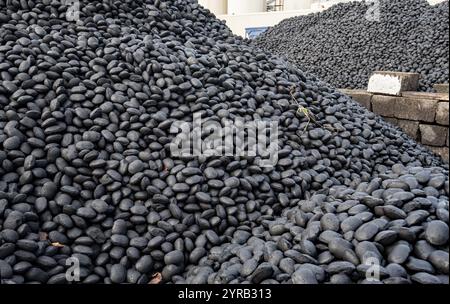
(423, 116)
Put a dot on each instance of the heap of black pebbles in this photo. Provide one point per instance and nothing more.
(87, 174)
(346, 43)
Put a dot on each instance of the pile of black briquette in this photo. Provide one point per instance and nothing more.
(87, 177)
(346, 43)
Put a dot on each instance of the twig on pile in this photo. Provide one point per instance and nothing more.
(307, 113)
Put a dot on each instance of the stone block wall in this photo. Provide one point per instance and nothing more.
(423, 116)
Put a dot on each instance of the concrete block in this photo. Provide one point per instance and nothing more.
(432, 135)
(416, 109)
(442, 113)
(392, 83)
(384, 105)
(441, 151)
(362, 97)
(441, 88)
(392, 121)
(426, 95)
(409, 127)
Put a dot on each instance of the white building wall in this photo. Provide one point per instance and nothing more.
(217, 7)
(324, 4)
(292, 5)
(243, 14)
(238, 7)
(239, 23)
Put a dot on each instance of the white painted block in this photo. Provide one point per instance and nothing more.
(392, 83)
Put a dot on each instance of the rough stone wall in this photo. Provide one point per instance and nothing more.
(423, 116)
